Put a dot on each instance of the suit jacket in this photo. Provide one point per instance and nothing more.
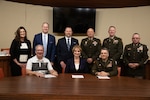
(51, 45)
(62, 51)
(70, 66)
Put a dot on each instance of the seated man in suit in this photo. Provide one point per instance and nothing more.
(48, 42)
(76, 64)
(64, 48)
(135, 56)
(39, 65)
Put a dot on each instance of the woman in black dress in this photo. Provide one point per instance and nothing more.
(20, 51)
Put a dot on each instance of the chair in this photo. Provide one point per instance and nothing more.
(1, 73)
(23, 71)
(119, 71)
(63, 70)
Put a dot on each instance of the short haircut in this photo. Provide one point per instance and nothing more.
(76, 46)
(112, 27)
(136, 34)
(105, 49)
(39, 45)
(45, 23)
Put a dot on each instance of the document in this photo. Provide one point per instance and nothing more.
(49, 76)
(103, 77)
(23, 58)
(77, 76)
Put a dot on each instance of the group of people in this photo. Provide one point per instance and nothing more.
(91, 56)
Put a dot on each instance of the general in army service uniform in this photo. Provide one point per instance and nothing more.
(135, 56)
(103, 66)
(113, 44)
(91, 47)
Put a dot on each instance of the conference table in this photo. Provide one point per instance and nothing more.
(64, 87)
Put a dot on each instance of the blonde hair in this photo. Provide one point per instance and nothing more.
(76, 46)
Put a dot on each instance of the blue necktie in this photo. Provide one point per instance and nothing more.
(45, 45)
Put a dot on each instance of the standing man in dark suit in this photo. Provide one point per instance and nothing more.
(91, 47)
(135, 56)
(64, 47)
(48, 42)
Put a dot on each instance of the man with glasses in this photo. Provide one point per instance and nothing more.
(135, 56)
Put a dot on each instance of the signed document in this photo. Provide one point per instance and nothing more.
(77, 76)
(49, 76)
(103, 77)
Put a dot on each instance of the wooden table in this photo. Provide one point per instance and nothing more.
(65, 88)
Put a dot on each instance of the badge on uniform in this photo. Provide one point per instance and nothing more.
(94, 43)
(110, 64)
(128, 48)
(99, 65)
(115, 42)
(140, 49)
(85, 43)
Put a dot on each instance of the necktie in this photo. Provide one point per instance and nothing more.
(68, 44)
(45, 45)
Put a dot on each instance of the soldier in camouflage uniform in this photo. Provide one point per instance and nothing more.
(103, 66)
(113, 44)
(135, 56)
(91, 47)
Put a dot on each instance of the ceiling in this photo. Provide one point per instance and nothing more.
(87, 3)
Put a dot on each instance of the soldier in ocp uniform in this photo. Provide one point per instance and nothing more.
(135, 56)
(113, 44)
(103, 66)
(91, 47)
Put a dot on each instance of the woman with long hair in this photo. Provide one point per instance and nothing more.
(20, 51)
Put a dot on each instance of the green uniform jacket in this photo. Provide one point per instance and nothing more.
(135, 54)
(91, 48)
(114, 46)
(108, 66)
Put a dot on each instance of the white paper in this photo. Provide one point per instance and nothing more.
(49, 76)
(77, 76)
(23, 58)
(103, 77)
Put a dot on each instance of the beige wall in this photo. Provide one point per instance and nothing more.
(127, 21)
